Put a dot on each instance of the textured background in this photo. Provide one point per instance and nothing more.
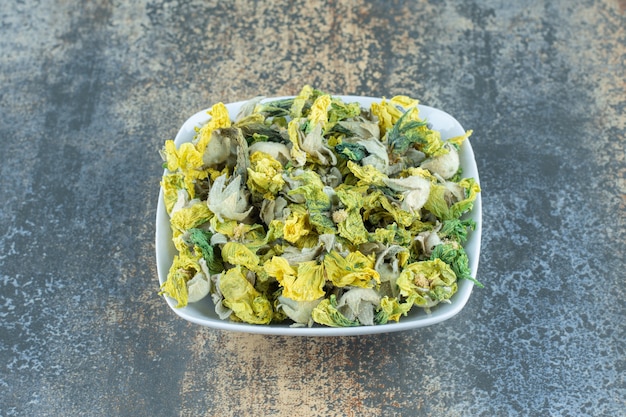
(90, 90)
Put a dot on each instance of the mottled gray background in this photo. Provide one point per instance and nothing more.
(90, 90)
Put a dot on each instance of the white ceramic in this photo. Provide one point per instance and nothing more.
(203, 312)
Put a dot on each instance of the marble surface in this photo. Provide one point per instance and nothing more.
(89, 91)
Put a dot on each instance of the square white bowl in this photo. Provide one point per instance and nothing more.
(203, 312)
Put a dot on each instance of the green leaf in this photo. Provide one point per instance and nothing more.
(211, 254)
(276, 108)
(352, 151)
(403, 133)
(260, 133)
(456, 229)
(341, 111)
(455, 256)
(339, 129)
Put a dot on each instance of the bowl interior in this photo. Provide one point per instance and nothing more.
(203, 312)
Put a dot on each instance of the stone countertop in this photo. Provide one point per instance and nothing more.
(89, 91)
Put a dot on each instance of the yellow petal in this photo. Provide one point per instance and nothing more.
(170, 184)
(405, 101)
(355, 269)
(296, 226)
(238, 254)
(300, 101)
(265, 175)
(189, 158)
(392, 309)
(219, 119)
(305, 284)
(188, 217)
(367, 174)
(427, 282)
(247, 303)
(279, 268)
(170, 154)
(297, 155)
(458, 140)
(319, 110)
(186, 160)
(184, 268)
(387, 115)
(308, 285)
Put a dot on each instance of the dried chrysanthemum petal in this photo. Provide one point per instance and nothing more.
(359, 304)
(315, 210)
(246, 302)
(445, 165)
(228, 201)
(298, 311)
(265, 175)
(354, 270)
(414, 190)
(219, 119)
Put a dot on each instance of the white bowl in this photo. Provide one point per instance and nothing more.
(203, 312)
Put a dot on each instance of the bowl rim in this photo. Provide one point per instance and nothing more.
(417, 318)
